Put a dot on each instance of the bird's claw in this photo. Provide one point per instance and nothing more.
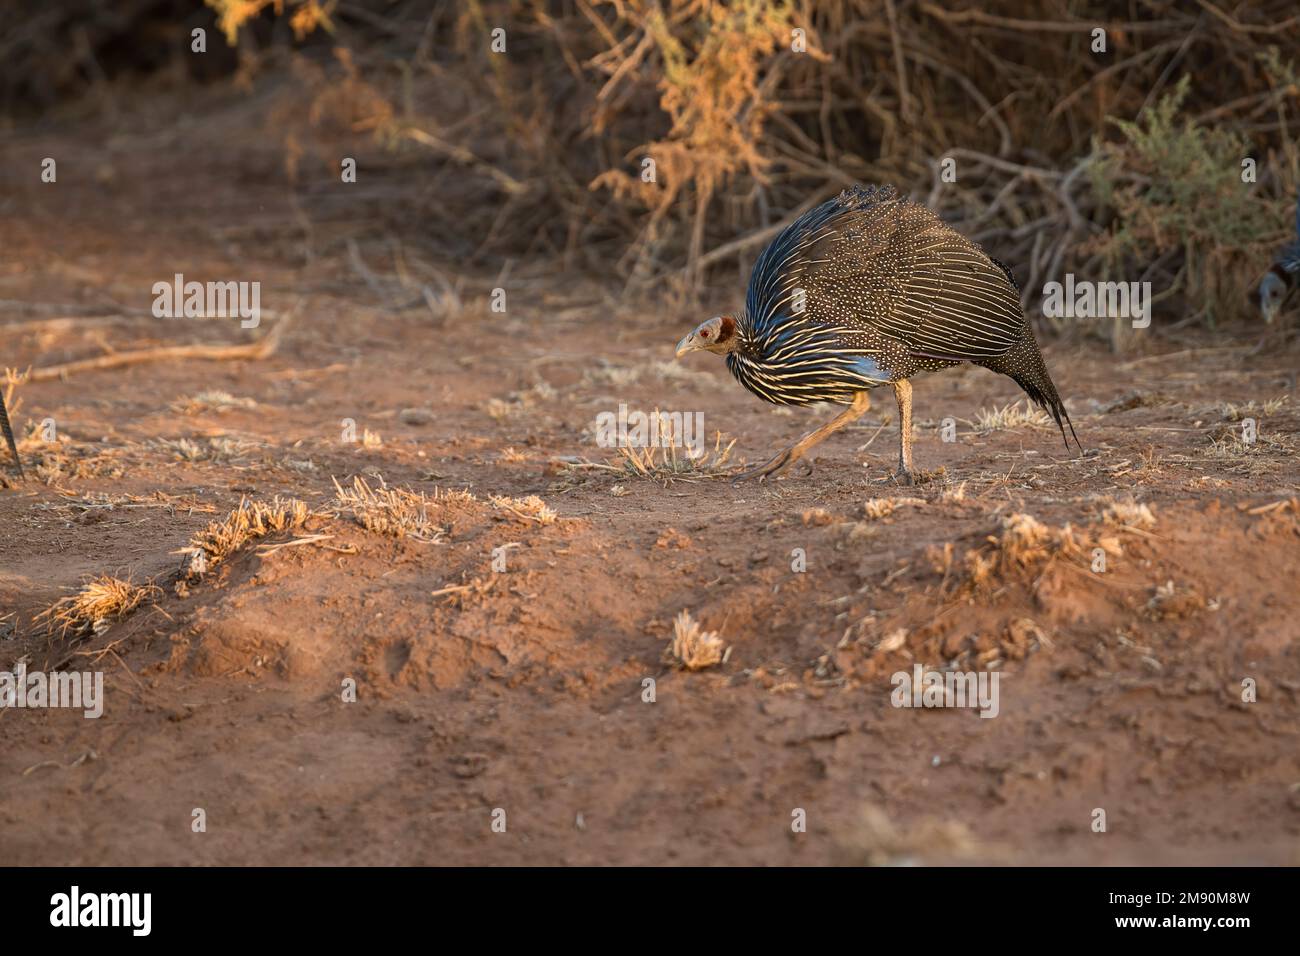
(773, 467)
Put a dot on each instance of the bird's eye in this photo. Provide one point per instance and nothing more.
(704, 334)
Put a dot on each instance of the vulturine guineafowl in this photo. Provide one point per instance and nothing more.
(9, 433)
(869, 289)
(1283, 277)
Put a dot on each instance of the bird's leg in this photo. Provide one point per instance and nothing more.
(8, 432)
(861, 403)
(903, 393)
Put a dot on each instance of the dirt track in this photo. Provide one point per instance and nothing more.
(1120, 691)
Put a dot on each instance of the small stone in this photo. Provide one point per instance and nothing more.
(415, 416)
(892, 641)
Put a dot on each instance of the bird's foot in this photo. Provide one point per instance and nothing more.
(773, 467)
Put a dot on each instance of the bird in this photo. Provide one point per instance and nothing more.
(1283, 276)
(9, 433)
(865, 290)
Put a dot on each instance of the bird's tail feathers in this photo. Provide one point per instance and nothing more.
(1025, 366)
(1043, 393)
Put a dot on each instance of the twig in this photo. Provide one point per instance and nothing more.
(88, 755)
(1042, 26)
(463, 156)
(1246, 27)
(309, 539)
(260, 349)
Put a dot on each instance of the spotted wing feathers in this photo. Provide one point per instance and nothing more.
(870, 261)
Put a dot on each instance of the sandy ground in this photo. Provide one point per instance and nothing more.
(524, 691)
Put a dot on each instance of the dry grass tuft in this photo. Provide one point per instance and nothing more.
(1235, 413)
(851, 533)
(1010, 416)
(453, 495)
(502, 410)
(218, 450)
(877, 508)
(953, 495)
(877, 841)
(1128, 515)
(250, 521)
(1025, 540)
(1023, 548)
(1024, 543)
(394, 512)
(56, 458)
(101, 599)
(693, 648)
(531, 508)
(672, 462)
(817, 517)
(1138, 399)
(465, 595)
(1174, 601)
(211, 401)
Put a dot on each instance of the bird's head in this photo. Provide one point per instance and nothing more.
(716, 335)
(1273, 291)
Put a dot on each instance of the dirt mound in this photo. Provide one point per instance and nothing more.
(1124, 590)
(473, 589)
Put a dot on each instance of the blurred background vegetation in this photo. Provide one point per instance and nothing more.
(1125, 164)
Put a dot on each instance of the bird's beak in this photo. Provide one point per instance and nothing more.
(688, 344)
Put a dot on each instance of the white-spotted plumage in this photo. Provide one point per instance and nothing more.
(887, 290)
